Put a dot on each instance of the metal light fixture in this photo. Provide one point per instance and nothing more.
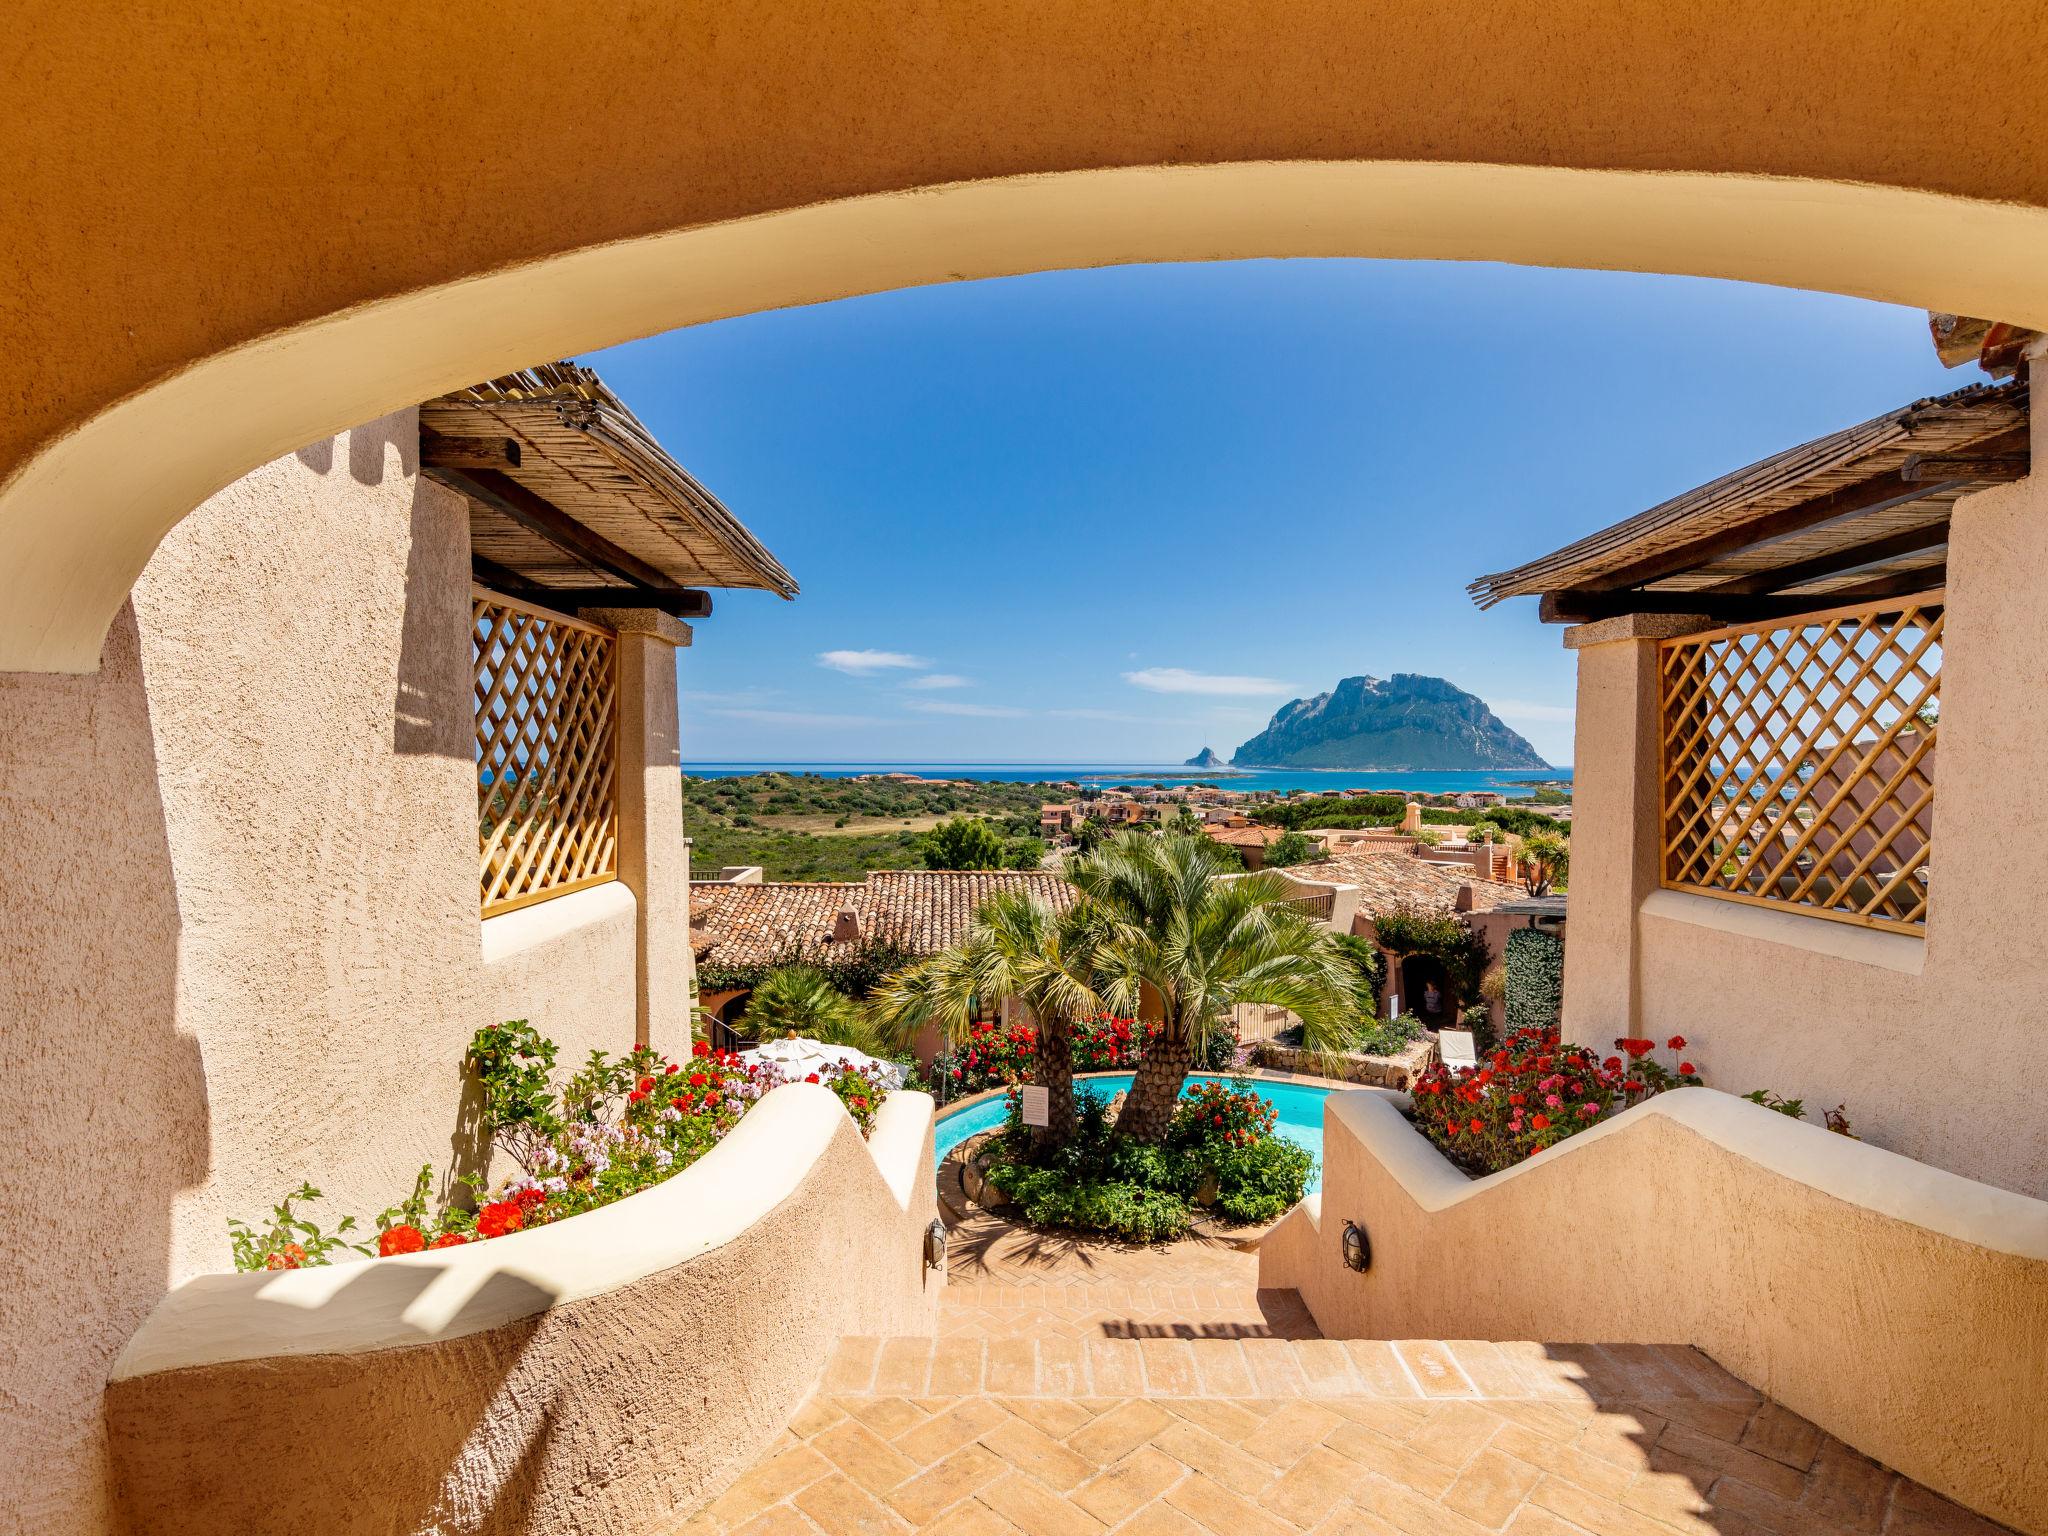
(935, 1245)
(1357, 1250)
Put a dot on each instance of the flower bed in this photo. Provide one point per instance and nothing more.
(1221, 1152)
(616, 1126)
(1533, 1092)
(1002, 1055)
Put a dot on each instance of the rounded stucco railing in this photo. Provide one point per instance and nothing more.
(609, 1371)
(1901, 1308)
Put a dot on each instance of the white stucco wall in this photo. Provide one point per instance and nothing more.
(239, 938)
(1933, 1045)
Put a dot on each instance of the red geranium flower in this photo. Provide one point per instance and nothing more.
(671, 1069)
(448, 1240)
(499, 1218)
(528, 1198)
(290, 1256)
(1477, 1127)
(812, 1078)
(1687, 1069)
(1676, 1042)
(1637, 1048)
(402, 1238)
(697, 1079)
(1540, 1121)
(645, 1085)
(700, 1049)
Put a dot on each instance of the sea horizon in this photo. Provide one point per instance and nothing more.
(1513, 782)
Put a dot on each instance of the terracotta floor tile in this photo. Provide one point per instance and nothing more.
(903, 1367)
(1031, 1450)
(945, 1483)
(957, 1366)
(1169, 1367)
(970, 1519)
(864, 1456)
(1601, 1516)
(1392, 1461)
(1220, 1368)
(1491, 1487)
(1115, 1434)
(1117, 1491)
(1433, 1368)
(1380, 1373)
(1027, 1504)
(1308, 1490)
(1195, 1447)
(1012, 1367)
(840, 1506)
(944, 1434)
(770, 1482)
(886, 1416)
(1779, 1433)
(1058, 1417)
(1216, 1509)
(1229, 1422)
(1774, 1476)
(779, 1521)
(852, 1366)
(1290, 1432)
(1116, 1367)
(1159, 1520)
(1918, 1512)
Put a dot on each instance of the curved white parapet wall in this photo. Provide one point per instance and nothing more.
(1901, 1308)
(677, 1328)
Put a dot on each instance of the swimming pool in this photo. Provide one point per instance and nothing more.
(1299, 1113)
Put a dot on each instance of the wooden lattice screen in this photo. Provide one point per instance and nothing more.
(1798, 761)
(546, 752)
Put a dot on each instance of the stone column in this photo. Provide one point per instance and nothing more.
(1616, 822)
(654, 856)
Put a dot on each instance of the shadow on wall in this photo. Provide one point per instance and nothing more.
(460, 1453)
(98, 1078)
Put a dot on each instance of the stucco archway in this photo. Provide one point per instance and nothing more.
(205, 272)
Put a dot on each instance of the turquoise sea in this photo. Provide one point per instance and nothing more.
(1512, 782)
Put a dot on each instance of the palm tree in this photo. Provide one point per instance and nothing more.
(1190, 947)
(1015, 947)
(799, 999)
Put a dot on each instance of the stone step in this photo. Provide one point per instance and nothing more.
(1024, 1366)
(1124, 1312)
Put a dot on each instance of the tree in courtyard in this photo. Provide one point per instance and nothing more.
(800, 999)
(1179, 942)
(1184, 820)
(1017, 947)
(1546, 861)
(1292, 848)
(966, 842)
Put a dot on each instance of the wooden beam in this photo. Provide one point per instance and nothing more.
(1835, 561)
(1583, 607)
(1980, 469)
(689, 603)
(1875, 495)
(502, 493)
(439, 452)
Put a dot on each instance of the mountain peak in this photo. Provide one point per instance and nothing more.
(1406, 722)
(1206, 758)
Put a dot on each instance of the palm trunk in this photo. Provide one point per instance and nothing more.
(1056, 1072)
(1148, 1108)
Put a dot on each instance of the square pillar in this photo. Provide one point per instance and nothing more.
(1617, 823)
(654, 856)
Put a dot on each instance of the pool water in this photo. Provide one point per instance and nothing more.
(1299, 1113)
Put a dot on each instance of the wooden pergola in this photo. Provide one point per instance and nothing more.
(1858, 516)
(573, 504)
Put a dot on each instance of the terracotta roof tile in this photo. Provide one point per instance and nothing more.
(920, 911)
(1389, 879)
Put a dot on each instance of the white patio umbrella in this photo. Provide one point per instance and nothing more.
(798, 1057)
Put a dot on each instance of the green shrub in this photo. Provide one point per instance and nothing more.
(1535, 978)
(1259, 1183)
(1049, 1198)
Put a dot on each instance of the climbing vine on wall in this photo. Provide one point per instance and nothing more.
(1535, 981)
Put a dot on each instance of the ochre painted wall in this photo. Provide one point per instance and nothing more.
(205, 274)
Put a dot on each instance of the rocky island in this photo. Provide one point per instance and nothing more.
(1405, 722)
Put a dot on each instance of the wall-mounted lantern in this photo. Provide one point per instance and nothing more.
(1357, 1250)
(935, 1245)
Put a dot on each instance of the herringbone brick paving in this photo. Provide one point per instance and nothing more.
(1087, 1389)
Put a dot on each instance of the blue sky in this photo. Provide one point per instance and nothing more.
(1119, 515)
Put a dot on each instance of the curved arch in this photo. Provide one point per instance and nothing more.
(79, 521)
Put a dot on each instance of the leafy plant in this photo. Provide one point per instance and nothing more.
(966, 842)
(288, 1240)
(800, 999)
(1546, 861)
(1534, 991)
(1792, 1109)
(512, 1062)
(1292, 848)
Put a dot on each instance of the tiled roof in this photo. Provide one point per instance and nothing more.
(920, 911)
(1246, 837)
(1387, 880)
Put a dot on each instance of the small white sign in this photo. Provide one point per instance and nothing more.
(1037, 1106)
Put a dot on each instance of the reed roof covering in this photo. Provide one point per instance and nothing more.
(1861, 514)
(625, 515)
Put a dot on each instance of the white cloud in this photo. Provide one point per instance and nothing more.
(1180, 680)
(1526, 709)
(978, 711)
(867, 663)
(939, 680)
(795, 717)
